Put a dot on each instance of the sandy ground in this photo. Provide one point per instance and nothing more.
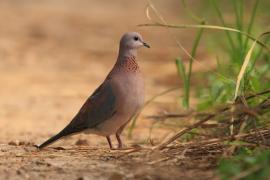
(53, 54)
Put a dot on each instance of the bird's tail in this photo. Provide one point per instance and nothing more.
(72, 128)
(53, 139)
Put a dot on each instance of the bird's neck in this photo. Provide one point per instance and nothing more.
(127, 64)
(127, 60)
(127, 52)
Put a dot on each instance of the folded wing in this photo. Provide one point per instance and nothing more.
(98, 108)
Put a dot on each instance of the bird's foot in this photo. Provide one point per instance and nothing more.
(120, 147)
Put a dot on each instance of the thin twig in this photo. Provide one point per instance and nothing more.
(243, 137)
(182, 132)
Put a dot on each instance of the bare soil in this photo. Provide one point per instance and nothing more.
(53, 54)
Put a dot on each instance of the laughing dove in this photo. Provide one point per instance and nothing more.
(108, 110)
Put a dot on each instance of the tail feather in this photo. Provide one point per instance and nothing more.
(73, 128)
(53, 139)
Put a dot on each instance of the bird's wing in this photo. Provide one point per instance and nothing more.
(99, 107)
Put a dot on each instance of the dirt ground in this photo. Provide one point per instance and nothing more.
(53, 54)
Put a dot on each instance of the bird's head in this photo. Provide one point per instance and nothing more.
(132, 40)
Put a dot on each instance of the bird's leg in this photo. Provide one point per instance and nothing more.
(120, 145)
(109, 141)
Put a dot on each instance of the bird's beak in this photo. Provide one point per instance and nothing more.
(146, 45)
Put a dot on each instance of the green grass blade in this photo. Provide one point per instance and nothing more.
(194, 49)
(193, 53)
(180, 66)
(223, 23)
(182, 73)
(238, 10)
(251, 22)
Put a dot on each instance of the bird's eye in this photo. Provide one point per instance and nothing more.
(136, 38)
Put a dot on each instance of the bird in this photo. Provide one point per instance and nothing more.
(113, 104)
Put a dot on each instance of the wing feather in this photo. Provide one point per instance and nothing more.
(99, 107)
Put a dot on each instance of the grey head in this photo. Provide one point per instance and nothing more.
(130, 42)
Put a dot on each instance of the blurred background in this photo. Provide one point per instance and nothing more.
(54, 53)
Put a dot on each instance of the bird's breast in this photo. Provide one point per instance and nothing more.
(130, 87)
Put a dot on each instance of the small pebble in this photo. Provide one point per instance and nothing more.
(14, 143)
(82, 142)
(116, 176)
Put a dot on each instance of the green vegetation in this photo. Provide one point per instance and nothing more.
(222, 89)
(242, 66)
(222, 83)
(247, 165)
